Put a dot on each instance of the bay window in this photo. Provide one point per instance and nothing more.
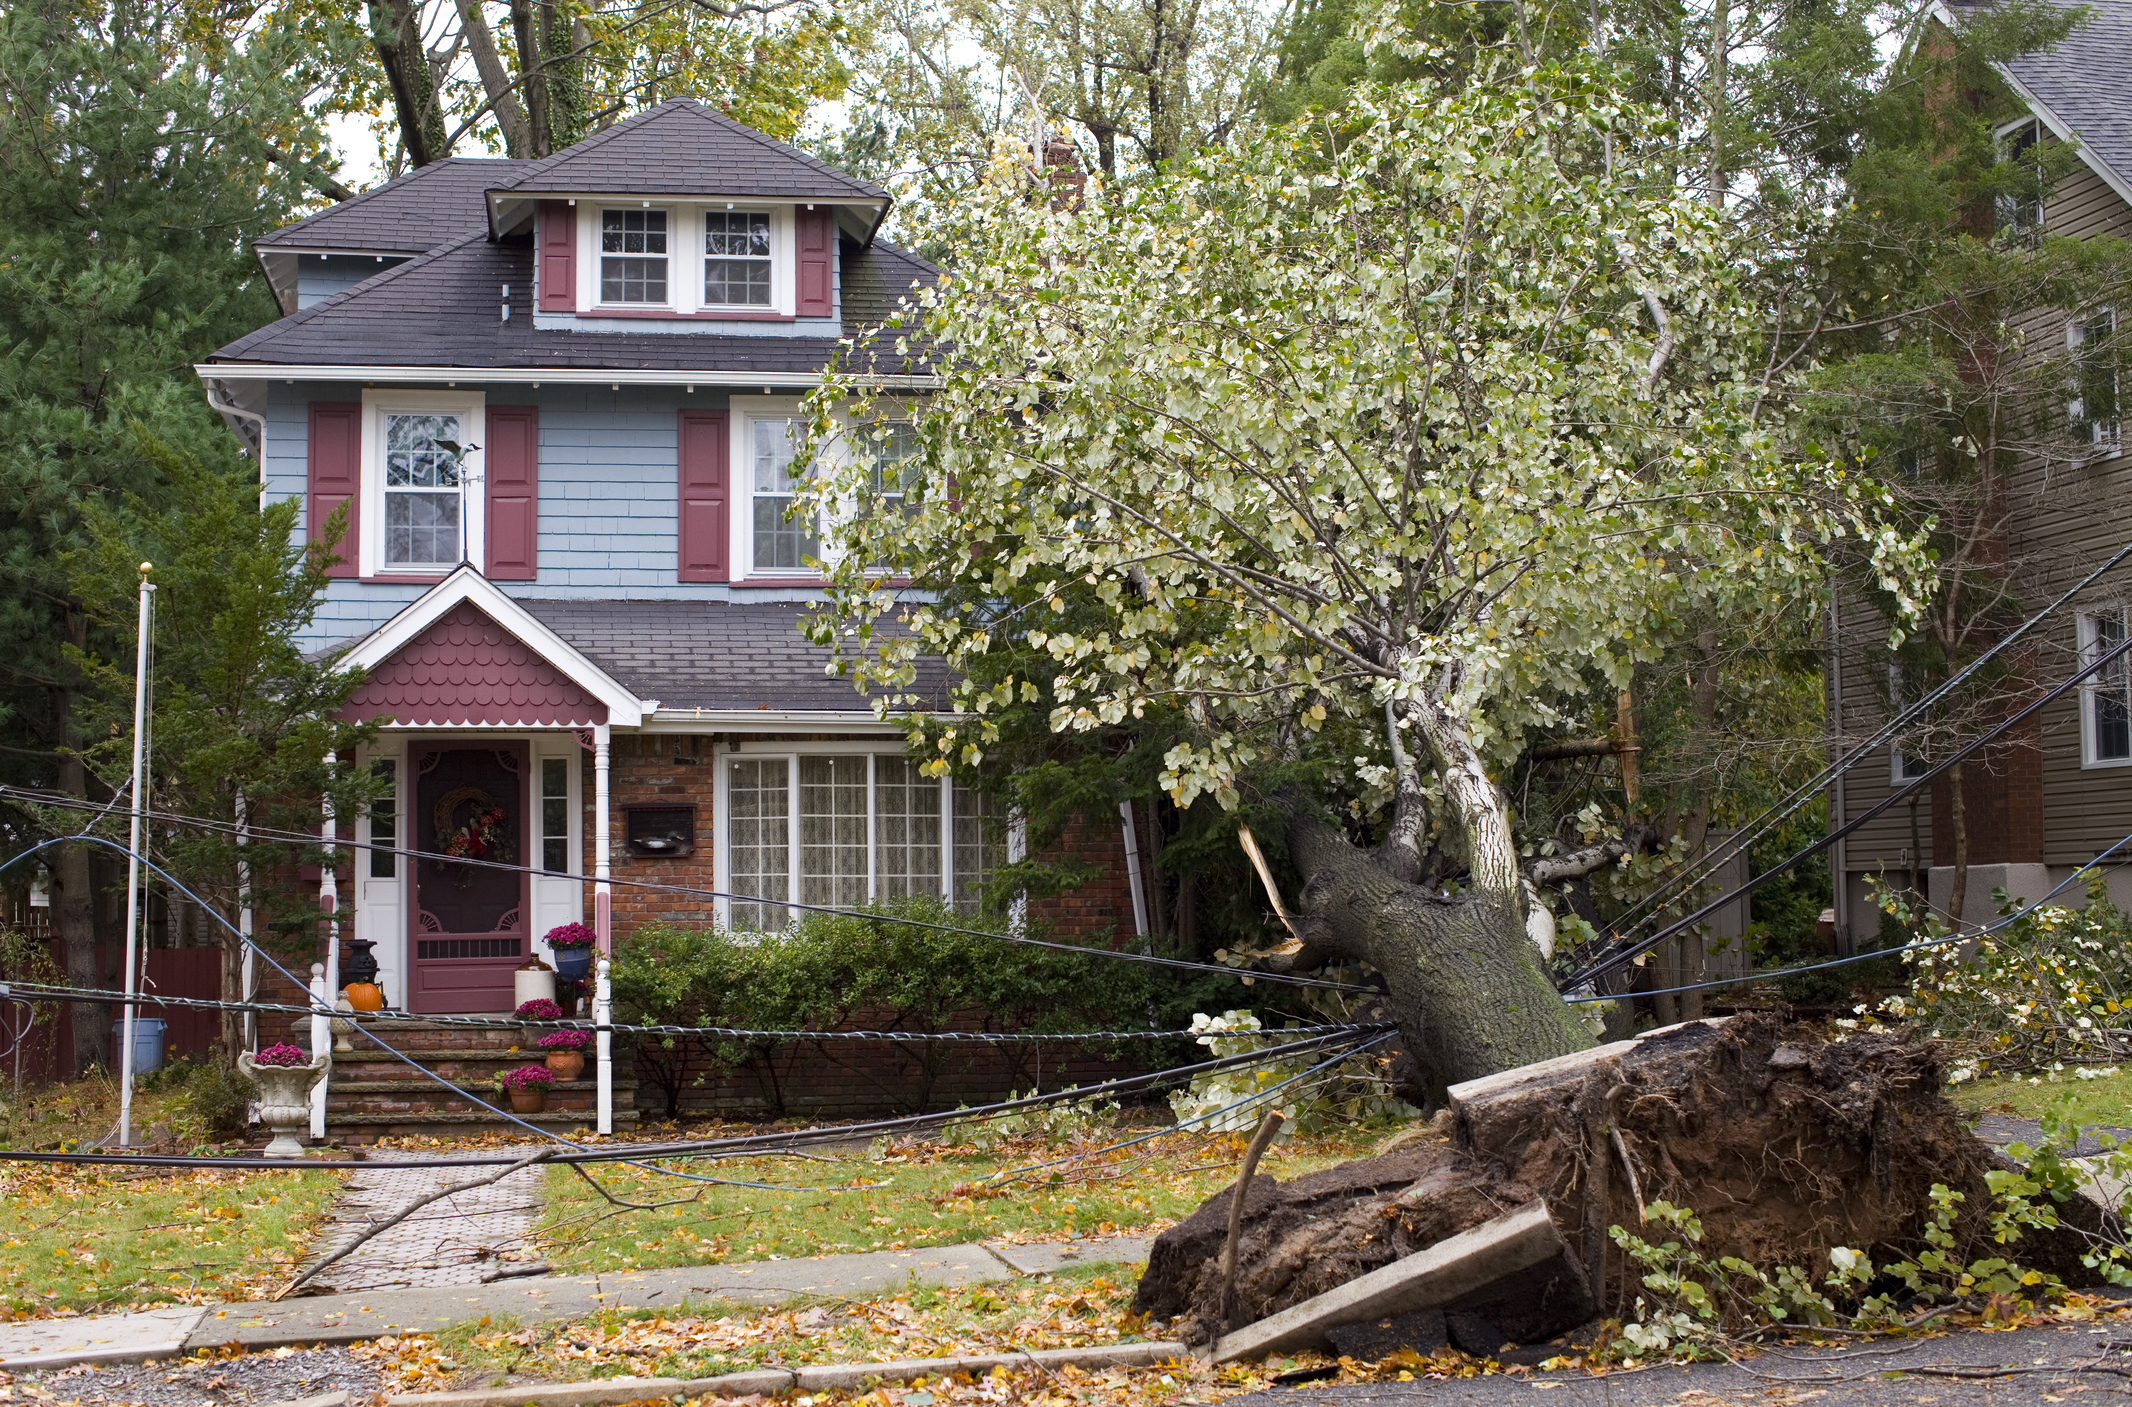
(840, 829)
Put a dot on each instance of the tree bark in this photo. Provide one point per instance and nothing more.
(1470, 989)
(495, 80)
(396, 35)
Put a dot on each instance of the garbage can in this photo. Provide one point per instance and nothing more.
(147, 1042)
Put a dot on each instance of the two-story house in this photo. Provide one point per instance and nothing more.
(2051, 796)
(556, 400)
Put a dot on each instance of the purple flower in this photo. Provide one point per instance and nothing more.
(528, 1077)
(572, 935)
(282, 1055)
(539, 1009)
(564, 1040)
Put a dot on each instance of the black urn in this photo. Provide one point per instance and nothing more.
(357, 963)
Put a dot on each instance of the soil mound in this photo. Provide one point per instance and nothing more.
(1784, 1142)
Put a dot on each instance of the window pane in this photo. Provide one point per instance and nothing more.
(2112, 708)
(780, 545)
(832, 831)
(759, 810)
(906, 829)
(421, 490)
(555, 815)
(980, 843)
(736, 266)
(385, 823)
(633, 256)
(421, 528)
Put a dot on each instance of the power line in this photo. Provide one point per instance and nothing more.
(1628, 953)
(1777, 974)
(1780, 811)
(74, 803)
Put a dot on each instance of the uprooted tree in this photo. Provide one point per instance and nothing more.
(1379, 445)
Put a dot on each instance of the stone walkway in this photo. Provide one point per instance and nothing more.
(454, 1241)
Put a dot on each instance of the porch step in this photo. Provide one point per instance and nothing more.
(375, 1093)
(369, 1128)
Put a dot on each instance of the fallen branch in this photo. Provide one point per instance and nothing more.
(377, 1227)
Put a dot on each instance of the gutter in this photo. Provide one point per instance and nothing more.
(535, 375)
(248, 426)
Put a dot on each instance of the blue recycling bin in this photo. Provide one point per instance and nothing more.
(147, 1042)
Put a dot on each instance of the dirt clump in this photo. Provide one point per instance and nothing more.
(1784, 1141)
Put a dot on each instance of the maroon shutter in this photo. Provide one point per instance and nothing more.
(558, 257)
(335, 478)
(511, 459)
(817, 262)
(704, 495)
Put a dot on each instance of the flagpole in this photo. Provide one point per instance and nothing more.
(133, 858)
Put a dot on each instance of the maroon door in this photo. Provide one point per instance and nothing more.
(468, 922)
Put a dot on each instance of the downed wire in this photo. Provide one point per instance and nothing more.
(740, 1145)
(50, 991)
(1247, 976)
(1773, 816)
(1628, 953)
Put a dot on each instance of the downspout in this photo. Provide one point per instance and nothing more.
(238, 418)
(1132, 868)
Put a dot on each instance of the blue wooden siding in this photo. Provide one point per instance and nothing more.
(319, 277)
(608, 498)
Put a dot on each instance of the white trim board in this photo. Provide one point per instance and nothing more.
(624, 709)
(791, 382)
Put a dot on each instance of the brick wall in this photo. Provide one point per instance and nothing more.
(2002, 803)
(1105, 903)
(670, 770)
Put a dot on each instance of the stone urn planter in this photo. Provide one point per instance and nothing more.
(285, 1099)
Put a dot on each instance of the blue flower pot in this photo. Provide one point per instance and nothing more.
(571, 964)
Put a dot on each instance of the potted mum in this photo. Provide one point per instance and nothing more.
(566, 1052)
(528, 1087)
(573, 944)
(536, 1010)
(285, 1076)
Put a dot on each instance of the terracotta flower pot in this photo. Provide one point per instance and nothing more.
(567, 1064)
(531, 1100)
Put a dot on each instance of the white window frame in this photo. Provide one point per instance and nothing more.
(2092, 690)
(745, 413)
(884, 746)
(471, 408)
(685, 246)
(2105, 438)
(2011, 217)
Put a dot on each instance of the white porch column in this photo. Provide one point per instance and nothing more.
(603, 1038)
(321, 1040)
(603, 839)
(328, 973)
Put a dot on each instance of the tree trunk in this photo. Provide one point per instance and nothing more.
(1471, 991)
(1958, 822)
(74, 915)
(396, 35)
(496, 80)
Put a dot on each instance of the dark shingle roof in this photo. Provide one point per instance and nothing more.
(433, 205)
(682, 147)
(715, 654)
(2086, 82)
(443, 309)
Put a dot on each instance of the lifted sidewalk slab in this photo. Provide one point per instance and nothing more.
(98, 1338)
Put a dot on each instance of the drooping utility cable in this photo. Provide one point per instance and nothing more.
(1246, 975)
(1625, 954)
(1781, 810)
(1776, 974)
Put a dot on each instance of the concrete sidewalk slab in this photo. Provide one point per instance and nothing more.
(348, 1318)
(1045, 1257)
(98, 1338)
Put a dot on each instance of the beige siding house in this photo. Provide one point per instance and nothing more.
(2050, 797)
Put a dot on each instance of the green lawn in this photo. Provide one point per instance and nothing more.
(2105, 1100)
(917, 1194)
(87, 1240)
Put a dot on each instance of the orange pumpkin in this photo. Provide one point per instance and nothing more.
(364, 996)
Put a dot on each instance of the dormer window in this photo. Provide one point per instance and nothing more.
(736, 258)
(633, 256)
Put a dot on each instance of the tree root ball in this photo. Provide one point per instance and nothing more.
(1785, 1142)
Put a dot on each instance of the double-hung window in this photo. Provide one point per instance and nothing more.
(2093, 340)
(736, 258)
(423, 491)
(2020, 204)
(1907, 754)
(783, 543)
(2106, 704)
(633, 256)
(845, 828)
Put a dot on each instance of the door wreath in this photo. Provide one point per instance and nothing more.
(481, 837)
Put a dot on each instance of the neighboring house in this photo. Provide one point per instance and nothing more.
(587, 645)
(2053, 795)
